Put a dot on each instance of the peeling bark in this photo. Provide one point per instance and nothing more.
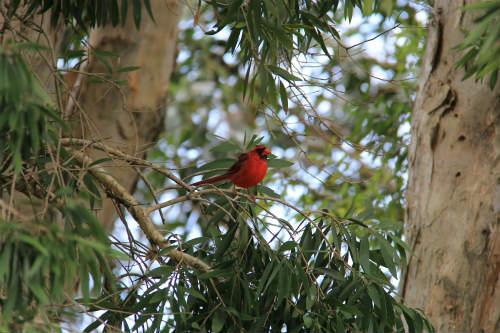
(453, 213)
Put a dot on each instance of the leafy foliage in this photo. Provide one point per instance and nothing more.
(267, 36)
(326, 280)
(41, 263)
(88, 14)
(482, 43)
(25, 120)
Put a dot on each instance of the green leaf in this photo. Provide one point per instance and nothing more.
(284, 97)
(283, 73)
(307, 321)
(225, 242)
(306, 243)
(104, 53)
(263, 279)
(284, 279)
(255, 140)
(64, 191)
(195, 241)
(84, 282)
(267, 191)
(336, 275)
(103, 60)
(374, 295)
(311, 297)
(156, 297)
(160, 272)
(402, 243)
(285, 222)
(484, 5)
(220, 163)
(30, 46)
(240, 25)
(364, 253)
(347, 289)
(367, 7)
(196, 294)
(35, 243)
(297, 26)
(358, 222)
(387, 6)
(136, 5)
(124, 10)
(225, 147)
(493, 79)
(100, 321)
(492, 66)
(388, 253)
(100, 161)
(96, 80)
(4, 260)
(287, 246)
(218, 320)
(279, 163)
(270, 281)
(478, 31)
(129, 69)
(114, 13)
(147, 4)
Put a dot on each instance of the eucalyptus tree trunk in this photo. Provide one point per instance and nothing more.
(453, 214)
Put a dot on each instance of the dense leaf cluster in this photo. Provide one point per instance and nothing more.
(86, 14)
(482, 43)
(267, 35)
(41, 263)
(26, 110)
(326, 280)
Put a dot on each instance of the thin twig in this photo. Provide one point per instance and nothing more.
(373, 38)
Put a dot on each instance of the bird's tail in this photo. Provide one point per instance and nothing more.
(212, 180)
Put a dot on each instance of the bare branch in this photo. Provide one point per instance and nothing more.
(129, 158)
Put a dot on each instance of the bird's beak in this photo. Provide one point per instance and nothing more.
(265, 154)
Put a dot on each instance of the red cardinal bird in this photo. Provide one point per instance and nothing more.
(250, 169)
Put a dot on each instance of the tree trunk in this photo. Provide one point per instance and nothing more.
(453, 213)
(129, 117)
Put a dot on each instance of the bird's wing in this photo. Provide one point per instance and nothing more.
(237, 166)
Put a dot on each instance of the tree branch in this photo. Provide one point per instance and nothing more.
(138, 213)
(129, 158)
